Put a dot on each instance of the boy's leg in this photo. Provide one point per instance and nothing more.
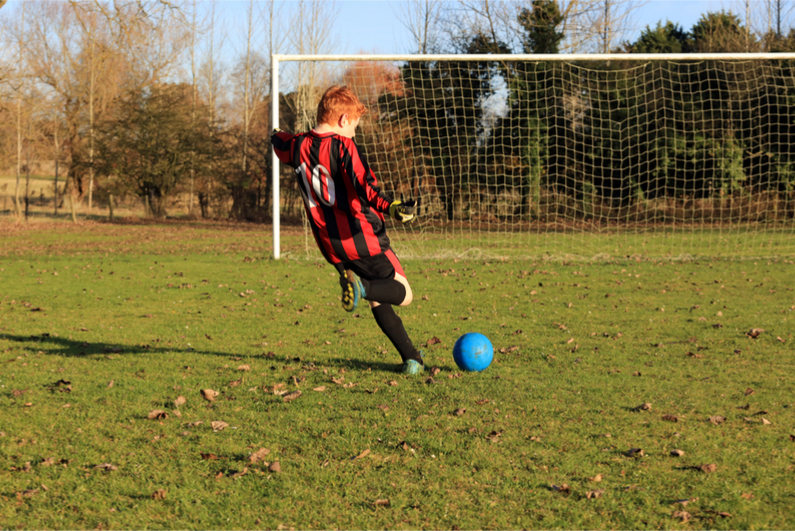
(394, 289)
(384, 284)
(391, 325)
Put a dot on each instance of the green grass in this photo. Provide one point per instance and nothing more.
(132, 317)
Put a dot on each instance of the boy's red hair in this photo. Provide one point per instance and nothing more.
(336, 101)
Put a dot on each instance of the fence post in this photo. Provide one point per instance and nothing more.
(110, 207)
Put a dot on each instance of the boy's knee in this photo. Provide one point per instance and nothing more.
(409, 296)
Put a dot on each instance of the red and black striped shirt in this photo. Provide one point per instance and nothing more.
(341, 195)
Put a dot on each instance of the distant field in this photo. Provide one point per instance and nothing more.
(603, 368)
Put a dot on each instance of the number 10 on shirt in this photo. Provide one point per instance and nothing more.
(327, 196)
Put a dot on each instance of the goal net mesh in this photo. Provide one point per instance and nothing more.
(586, 159)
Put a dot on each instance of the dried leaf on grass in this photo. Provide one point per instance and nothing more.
(381, 503)
(258, 456)
(219, 425)
(494, 436)
(460, 411)
(684, 516)
(754, 332)
(292, 396)
(240, 473)
(107, 467)
(157, 414)
(593, 494)
(320, 389)
(717, 419)
(646, 406)
(677, 453)
(365, 453)
(564, 488)
(24, 468)
(635, 452)
(597, 478)
(709, 468)
(159, 494)
(670, 418)
(27, 493)
(209, 394)
(181, 400)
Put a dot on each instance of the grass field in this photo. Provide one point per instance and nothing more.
(110, 332)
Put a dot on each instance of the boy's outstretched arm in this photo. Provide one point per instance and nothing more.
(282, 145)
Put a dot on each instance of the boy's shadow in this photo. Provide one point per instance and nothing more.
(60, 346)
(362, 365)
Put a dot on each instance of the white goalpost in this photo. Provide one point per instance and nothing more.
(593, 156)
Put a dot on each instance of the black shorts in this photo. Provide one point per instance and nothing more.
(379, 267)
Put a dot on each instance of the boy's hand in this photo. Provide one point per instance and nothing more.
(275, 130)
(403, 212)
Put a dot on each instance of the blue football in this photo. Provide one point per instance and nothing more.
(473, 352)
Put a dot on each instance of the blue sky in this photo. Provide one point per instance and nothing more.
(373, 27)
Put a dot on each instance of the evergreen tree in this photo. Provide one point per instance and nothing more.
(668, 38)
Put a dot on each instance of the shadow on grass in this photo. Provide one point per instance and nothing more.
(363, 366)
(59, 346)
(74, 348)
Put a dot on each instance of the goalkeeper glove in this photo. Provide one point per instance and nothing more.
(403, 212)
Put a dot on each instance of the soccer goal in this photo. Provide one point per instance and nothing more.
(563, 156)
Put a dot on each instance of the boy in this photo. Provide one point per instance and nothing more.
(346, 212)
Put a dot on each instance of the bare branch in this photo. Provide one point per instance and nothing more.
(422, 18)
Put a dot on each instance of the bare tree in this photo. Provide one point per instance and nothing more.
(249, 106)
(20, 90)
(319, 17)
(779, 15)
(493, 19)
(423, 19)
(194, 93)
(211, 79)
(602, 24)
(772, 19)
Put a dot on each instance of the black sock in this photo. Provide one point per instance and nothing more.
(384, 291)
(392, 326)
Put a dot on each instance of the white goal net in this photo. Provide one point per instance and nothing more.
(609, 156)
